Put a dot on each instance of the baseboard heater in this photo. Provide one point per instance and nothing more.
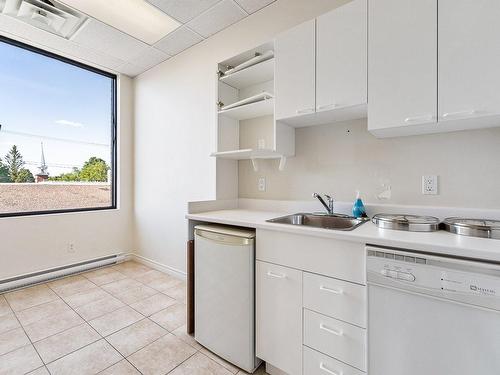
(58, 272)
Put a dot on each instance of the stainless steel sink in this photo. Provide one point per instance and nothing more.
(337, 222)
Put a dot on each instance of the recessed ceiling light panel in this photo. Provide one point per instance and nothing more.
(137, 18)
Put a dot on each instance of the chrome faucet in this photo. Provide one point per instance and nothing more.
(329, 206)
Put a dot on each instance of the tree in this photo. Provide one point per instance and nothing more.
(4, 173)
(24, 175)
(68, 177)
(14, 162)
(95, 169)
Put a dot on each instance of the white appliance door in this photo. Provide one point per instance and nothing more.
(413, 334)
(224, 298)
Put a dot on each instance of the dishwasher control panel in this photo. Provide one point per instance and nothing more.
(455, 279)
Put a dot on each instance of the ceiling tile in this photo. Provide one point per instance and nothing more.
(104, 38)
(13, 28)
(130, 70)
(217, 18)
(178, 41)
(183, 10)
(252, 6)
(148, 58)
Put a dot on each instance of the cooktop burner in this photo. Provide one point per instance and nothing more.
(411, 223)
(473, 227)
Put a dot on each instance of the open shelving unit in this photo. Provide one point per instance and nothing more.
(246, 127)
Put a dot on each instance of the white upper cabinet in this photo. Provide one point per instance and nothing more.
(295, 71)
(402, 66)
(469, 63)
(341, 57)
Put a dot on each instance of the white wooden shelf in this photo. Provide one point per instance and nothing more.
(248, 153)
(259, 105)
(252, 75)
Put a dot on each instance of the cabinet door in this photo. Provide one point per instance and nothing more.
(295, 71)
(279, 316)
(341, 57)
(469, 59)
(402, 63)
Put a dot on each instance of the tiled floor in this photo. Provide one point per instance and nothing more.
(123, 319)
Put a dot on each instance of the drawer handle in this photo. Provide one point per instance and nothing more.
(331, 330)
(459, 114)
(276, 275)
(326, 106)
(419, 118)
(328, 371)
(331, 290)
(305, 110)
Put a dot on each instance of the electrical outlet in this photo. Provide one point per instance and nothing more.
(262, 184)
(430, 185)
(71, 247)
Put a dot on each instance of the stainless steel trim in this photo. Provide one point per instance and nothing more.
(225, 239)
(410, 223)
(473, 227)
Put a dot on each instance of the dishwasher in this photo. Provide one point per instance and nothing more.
(432, 315)
(224, 293)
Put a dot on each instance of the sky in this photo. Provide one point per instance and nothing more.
(44, 98)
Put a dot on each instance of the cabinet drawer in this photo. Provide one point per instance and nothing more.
(326, 256)
(340, 340)
(316, 363)
(338, 299)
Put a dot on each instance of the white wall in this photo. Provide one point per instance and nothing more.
(340, 158)
(175, 128)
(34, 243)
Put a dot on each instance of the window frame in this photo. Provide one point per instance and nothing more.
(114, 130)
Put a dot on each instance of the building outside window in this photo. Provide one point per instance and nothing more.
(57, 134)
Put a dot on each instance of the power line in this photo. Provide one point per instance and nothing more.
(55, 138)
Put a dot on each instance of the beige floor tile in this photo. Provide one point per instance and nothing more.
(99, 308)
(39, 371)
(132, 269)
(61, 344)
(161, 356)
(12, 340)
(104, 276)
(260, 371)
(153, 304)
(136, 294)
(228, 366)
(121, 286)
(136, 336)
(4, 306)
(8, 322)
(116, 320)
(45, 310)
(20, 361)
(200, 364)
(149, 276)
(29, 297)
(54, 324)
(172, 317)
(88, 296)
(90, 359)
(178, 292)
(71, 285)
(164, 283)
(121, 368)
(188, 339)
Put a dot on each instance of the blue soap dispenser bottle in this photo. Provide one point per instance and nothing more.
(358, 208)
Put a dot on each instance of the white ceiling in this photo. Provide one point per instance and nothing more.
(102, 45)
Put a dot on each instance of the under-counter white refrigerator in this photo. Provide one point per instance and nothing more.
(224, 292)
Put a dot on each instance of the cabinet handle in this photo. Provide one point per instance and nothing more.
(331, 290)
(305, 110)
(326, 106)
(419, 118)
(328, 371)
(331, 330)
(458, 114)
(276, 275)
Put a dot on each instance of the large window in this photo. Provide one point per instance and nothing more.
(57, 134)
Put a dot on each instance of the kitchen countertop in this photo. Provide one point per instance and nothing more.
(440, 242)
